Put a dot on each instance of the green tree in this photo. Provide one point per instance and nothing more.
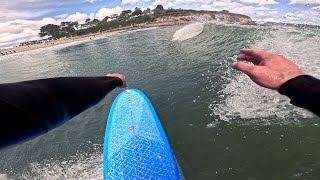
(50, 30)
(147, 11)
(88, 20)
(95, 21)
(67, 28)
(159, 9)
(125, 13)
(137, 12)
(106, 19)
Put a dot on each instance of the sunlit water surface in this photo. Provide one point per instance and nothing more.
(220, 125)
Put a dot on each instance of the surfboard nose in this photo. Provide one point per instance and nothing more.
(136, 146)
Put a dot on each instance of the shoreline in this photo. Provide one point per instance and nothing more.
(88, 37)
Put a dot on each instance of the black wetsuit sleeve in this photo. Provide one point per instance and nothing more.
(31, 108)
(304, 91)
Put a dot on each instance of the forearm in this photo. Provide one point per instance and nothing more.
(34, 107)
(304, 91)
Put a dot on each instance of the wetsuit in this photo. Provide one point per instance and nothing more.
(31, 108)
(304, 91)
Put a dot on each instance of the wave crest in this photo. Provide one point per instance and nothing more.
(188, 32)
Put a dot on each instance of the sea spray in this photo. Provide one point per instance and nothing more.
(188, 32)
(249, 101)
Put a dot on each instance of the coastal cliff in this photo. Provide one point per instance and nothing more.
(126, 21)
(183, 16)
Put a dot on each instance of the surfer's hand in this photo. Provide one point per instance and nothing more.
(120, 76)
(268, 70)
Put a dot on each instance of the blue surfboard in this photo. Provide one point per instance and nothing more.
(135, 145)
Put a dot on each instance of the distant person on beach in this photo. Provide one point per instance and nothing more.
(276, 72)
(31, 108)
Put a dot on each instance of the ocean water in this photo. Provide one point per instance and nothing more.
(220, 124)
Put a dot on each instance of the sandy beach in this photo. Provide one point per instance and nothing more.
(83, 38)
(57, 42)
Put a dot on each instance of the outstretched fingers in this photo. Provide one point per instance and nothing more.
(248, 58)
(257, 53)
(254, 52)
(246, 68)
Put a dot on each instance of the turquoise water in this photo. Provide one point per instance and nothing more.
(220, 125)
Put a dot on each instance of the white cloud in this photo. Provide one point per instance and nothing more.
(260, 2)
(187, 1)
(133, 2)
(208, 7)
(308, 16)
(222, 3)
(166, 3)
(260, 13)
(9, 15)
(262, 8)
(306, 2)
(80, 17)
(14, 32)
(91, 1)
(103, 12)
(316, 8)
(61, 16)
(129, 2)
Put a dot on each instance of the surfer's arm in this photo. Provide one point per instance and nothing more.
(304, 91)
(32, 108)
(276, 72)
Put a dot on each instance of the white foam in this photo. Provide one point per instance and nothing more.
(188, 32)
(3, 177)
(82, 166)
(247, 100)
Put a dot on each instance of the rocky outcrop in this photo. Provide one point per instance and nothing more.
(232, 18)
(179, 18)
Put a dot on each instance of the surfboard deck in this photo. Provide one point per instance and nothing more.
(135, 145)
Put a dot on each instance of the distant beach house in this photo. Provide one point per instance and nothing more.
(87, 25)
(37, 41)
(110, 18)
(113, 17)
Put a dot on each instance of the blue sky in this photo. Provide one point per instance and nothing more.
(20, 20)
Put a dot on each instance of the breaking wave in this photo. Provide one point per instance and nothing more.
(188, 32)
(249, 101)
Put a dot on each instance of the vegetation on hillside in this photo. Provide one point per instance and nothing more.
(125, 19)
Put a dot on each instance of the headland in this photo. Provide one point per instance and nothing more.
(69, 32)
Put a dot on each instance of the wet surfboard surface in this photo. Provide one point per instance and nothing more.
(136, 146)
